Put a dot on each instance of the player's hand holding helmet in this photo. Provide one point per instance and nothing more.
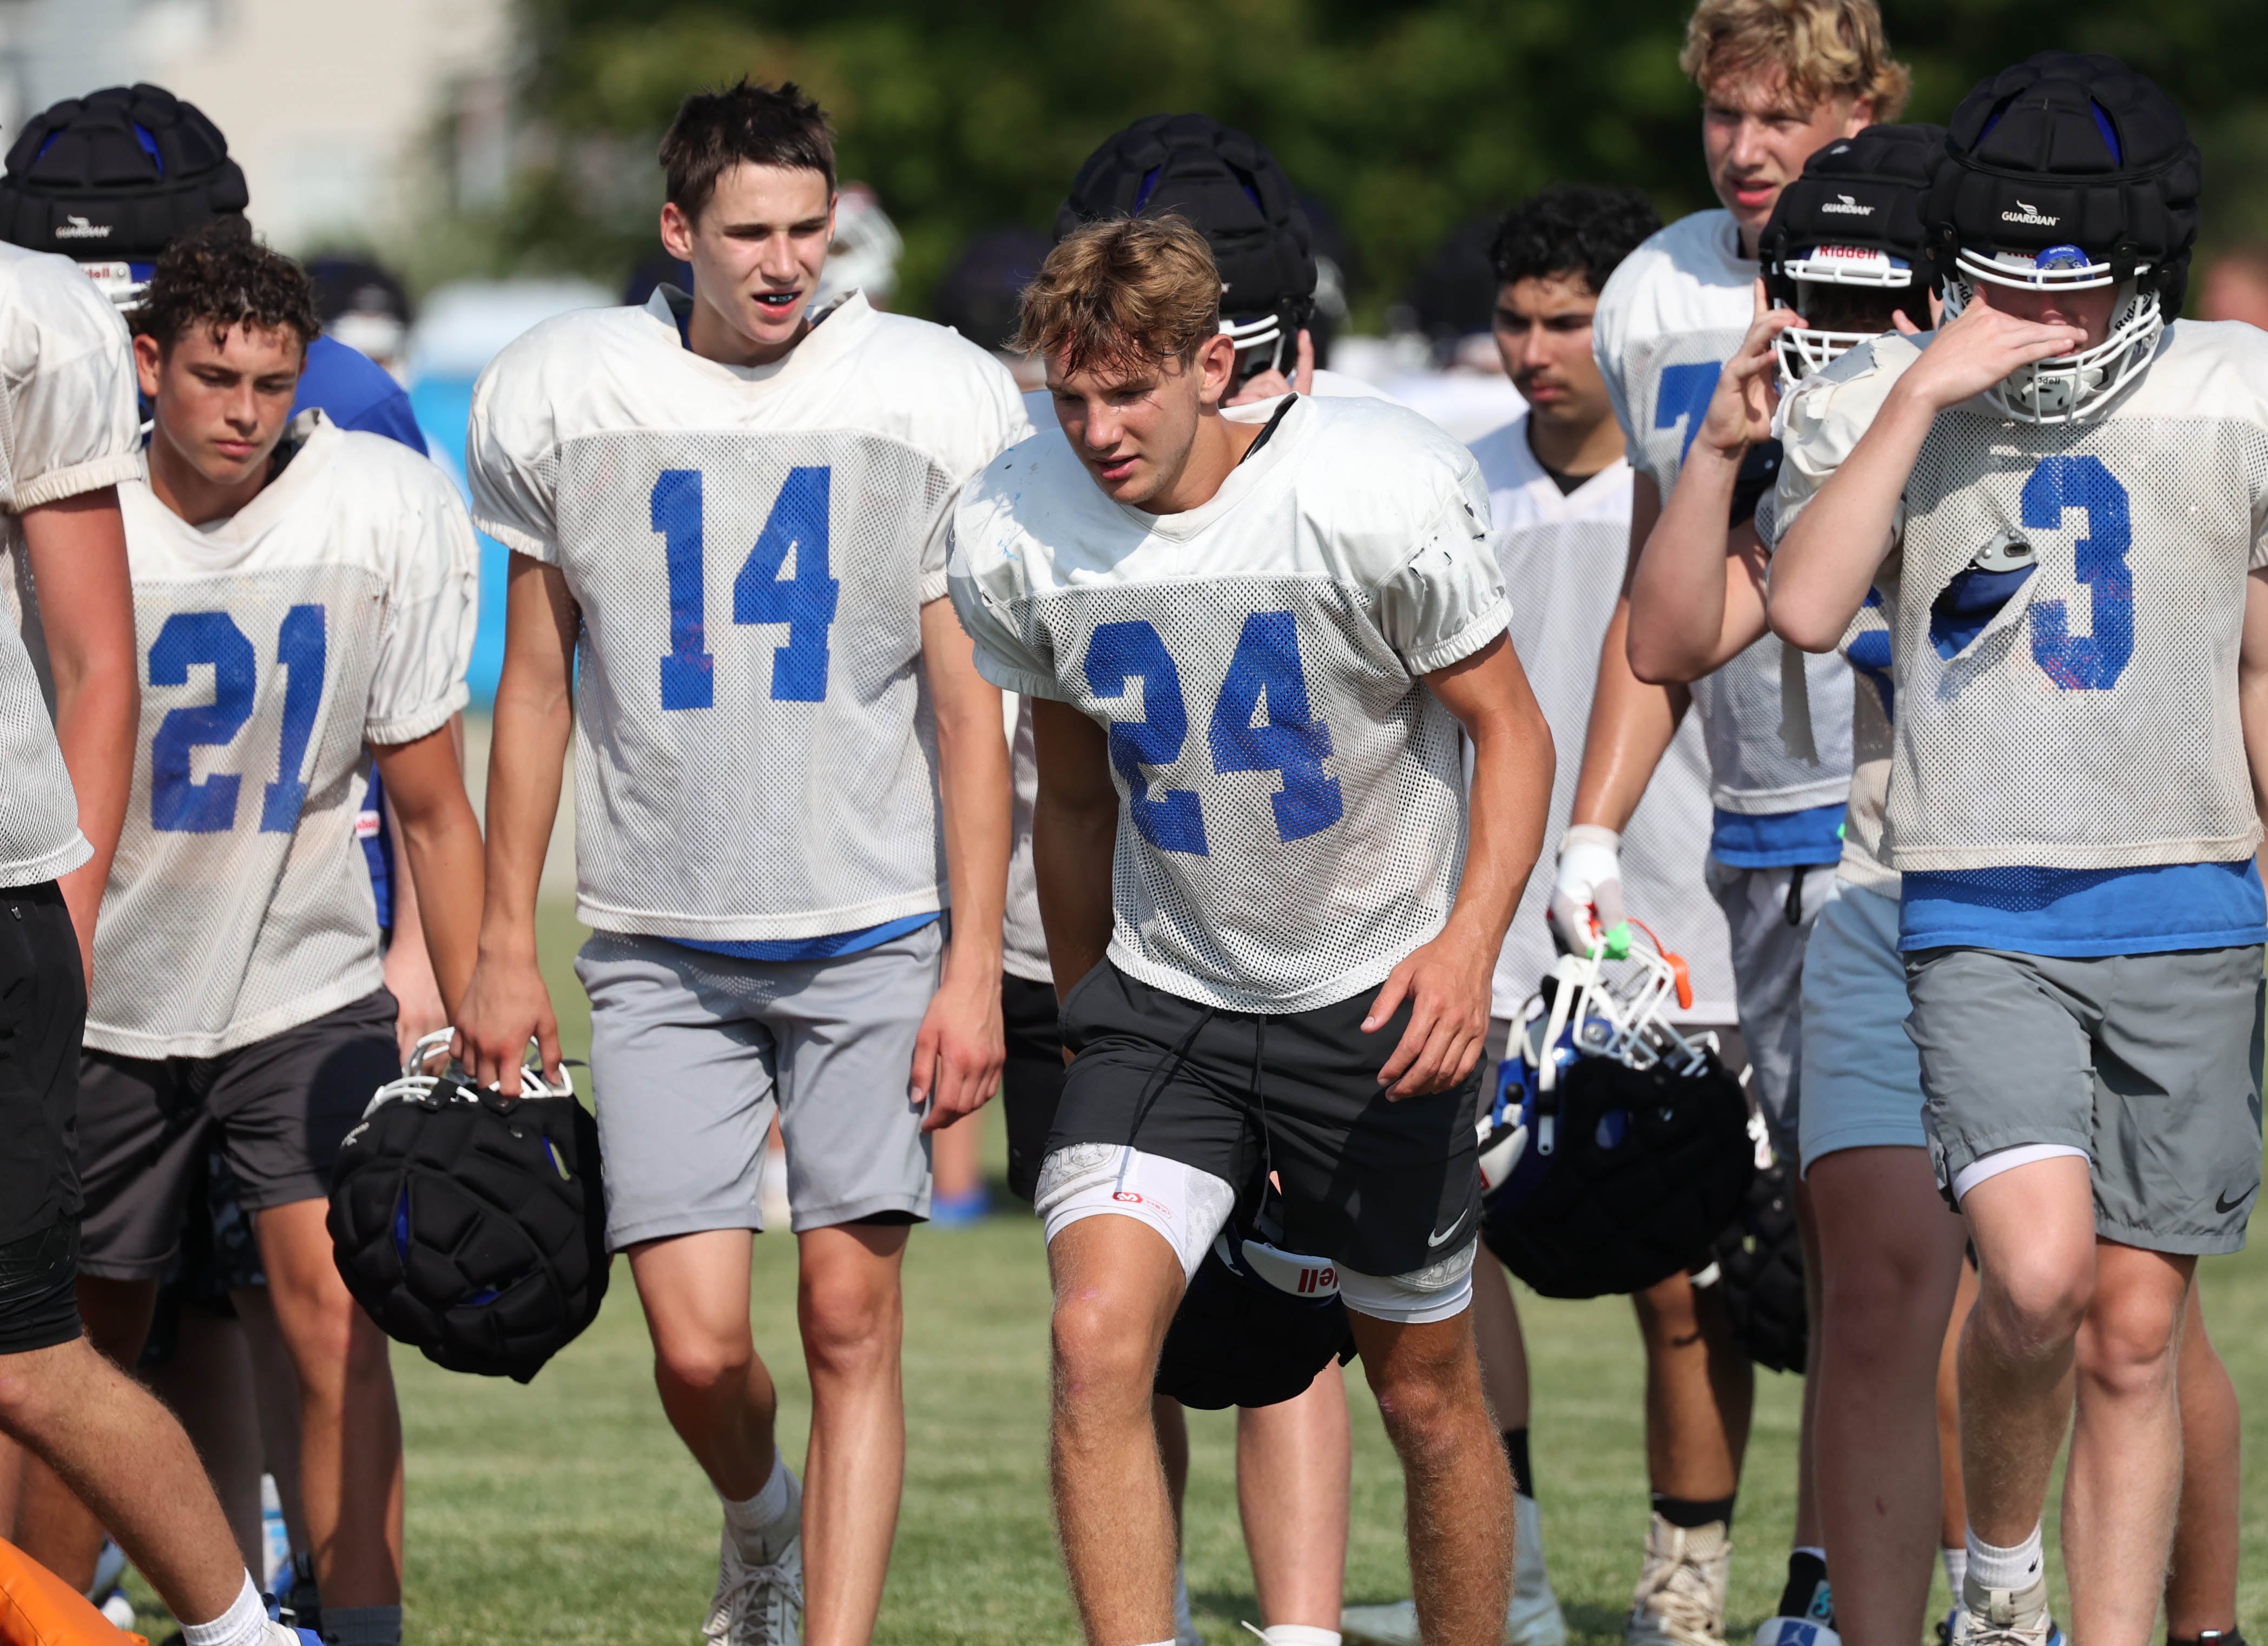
(1587, 889)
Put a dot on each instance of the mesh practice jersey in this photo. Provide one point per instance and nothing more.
(1671, 315)
(337, 608)
(1561, 558)
(1291, 796)
(68, 425)
(750, 548)
(2089, 719)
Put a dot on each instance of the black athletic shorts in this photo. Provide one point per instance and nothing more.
(275, 1111)
(1381, 1189)
(42, 1012)
(1032, 1080)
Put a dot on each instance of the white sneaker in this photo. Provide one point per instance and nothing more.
(2005, 1617)
(1681, 1590)
(1532, 1617)
(1796, 1631)
(760, 1605)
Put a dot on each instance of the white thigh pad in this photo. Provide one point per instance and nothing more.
(1186, 1207)
(1436, 1292)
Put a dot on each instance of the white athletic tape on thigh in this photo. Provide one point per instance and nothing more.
(2001, 1160)
(1435, 1292)
(1186, 1207)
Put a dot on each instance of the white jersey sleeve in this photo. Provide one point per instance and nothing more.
(511, 463)
(1291, 799)
(274, 644)
(67, 425)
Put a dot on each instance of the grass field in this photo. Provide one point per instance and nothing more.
(565, 1511)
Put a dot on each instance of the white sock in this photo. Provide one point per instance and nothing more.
(1299, 1635)
(1956, 1568)
(2014, 1570)
(1812, 1550)
(753, 1520)
(1185, 1625)
(244, 1624)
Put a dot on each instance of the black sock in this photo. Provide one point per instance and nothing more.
(1691, 1512)
(1515, 1452)
(2232, 1636)
(1806, 1571)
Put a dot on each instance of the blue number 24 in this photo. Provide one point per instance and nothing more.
(804, 599)
(1265, 668)
(179, 804)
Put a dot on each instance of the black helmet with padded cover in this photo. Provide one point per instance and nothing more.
(1760, 1274)
(1228, 187)
(116, 175)
(1255, 1327)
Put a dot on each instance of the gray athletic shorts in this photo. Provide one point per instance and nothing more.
(2150, 1063)
(1861, 1079)
(691, 1053)
(1768, 979)
(276, 1110)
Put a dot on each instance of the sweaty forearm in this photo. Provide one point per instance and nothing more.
(444, 849)
(1826, 560)
(96, 723)
(1072, 846)
(527, 756)
(1513, 764)
(973, 789)
(1630, 727)
(1680, 624)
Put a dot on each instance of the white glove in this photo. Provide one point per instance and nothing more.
(1586, 894)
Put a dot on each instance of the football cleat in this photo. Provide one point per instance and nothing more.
(1681, 1590)
(761, 1603)
(2005, 1617)
(1531, 1618)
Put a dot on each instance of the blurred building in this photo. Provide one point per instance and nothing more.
(330, 108)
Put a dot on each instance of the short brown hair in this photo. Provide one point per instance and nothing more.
(1822, 48)
(1123, 294)
(758, 125)
(216, 275)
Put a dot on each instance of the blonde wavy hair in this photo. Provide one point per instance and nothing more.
(1122, 296)
(1822, 48)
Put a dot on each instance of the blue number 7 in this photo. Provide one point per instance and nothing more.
(1684, 393)
(804, 600)
(178, 804)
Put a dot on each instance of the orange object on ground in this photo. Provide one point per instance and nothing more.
(38, 1608)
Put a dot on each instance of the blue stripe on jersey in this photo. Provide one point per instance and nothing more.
(2082, 912)
(827, 948)
(1778, 840)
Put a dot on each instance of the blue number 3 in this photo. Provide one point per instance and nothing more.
(178, 803)
(804, 599)
(1264, 667)
(2085, 662)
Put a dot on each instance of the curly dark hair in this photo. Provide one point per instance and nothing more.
(1572, 229)
(217, 275)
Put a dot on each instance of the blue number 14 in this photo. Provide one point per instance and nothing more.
(804, 599)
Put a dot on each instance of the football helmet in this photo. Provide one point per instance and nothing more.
(1846, 244)
(1230, 188)
(108, 179)
(470, 1226)
(1759, 1269)
(1614, 1147)
(2069, 173)
(1255, 1327)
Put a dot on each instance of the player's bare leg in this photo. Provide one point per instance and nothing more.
(52, 1525)
(108, 1440)
(1891, 1263)
(1293, 1464)
(1952, 1525)
(1700, 1390)
(1502, 1347)
(1117, 1283)
(1810, 1526)
(714, 1390)
(2201, 1588)
(852, 1315)
(1457, 1494)
(350, 1470)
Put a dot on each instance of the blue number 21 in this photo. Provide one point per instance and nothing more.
(1265, 668)
(179, 804)
(804, 599)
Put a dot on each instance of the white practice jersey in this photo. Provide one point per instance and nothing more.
(749, 548)
(1562, 557)
(1024, 952)
(2089, 719)
(335, 609)
(68, 425)
(1293, 800)
(1671, 315)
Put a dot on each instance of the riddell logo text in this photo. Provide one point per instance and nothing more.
(75, 227)
(1847, 206)
(2026, 212)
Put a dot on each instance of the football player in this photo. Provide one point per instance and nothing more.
(2059, 496)
(298, 591)
(726, 512)
(1778, 79)
(1269, 937)
(70, 763)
